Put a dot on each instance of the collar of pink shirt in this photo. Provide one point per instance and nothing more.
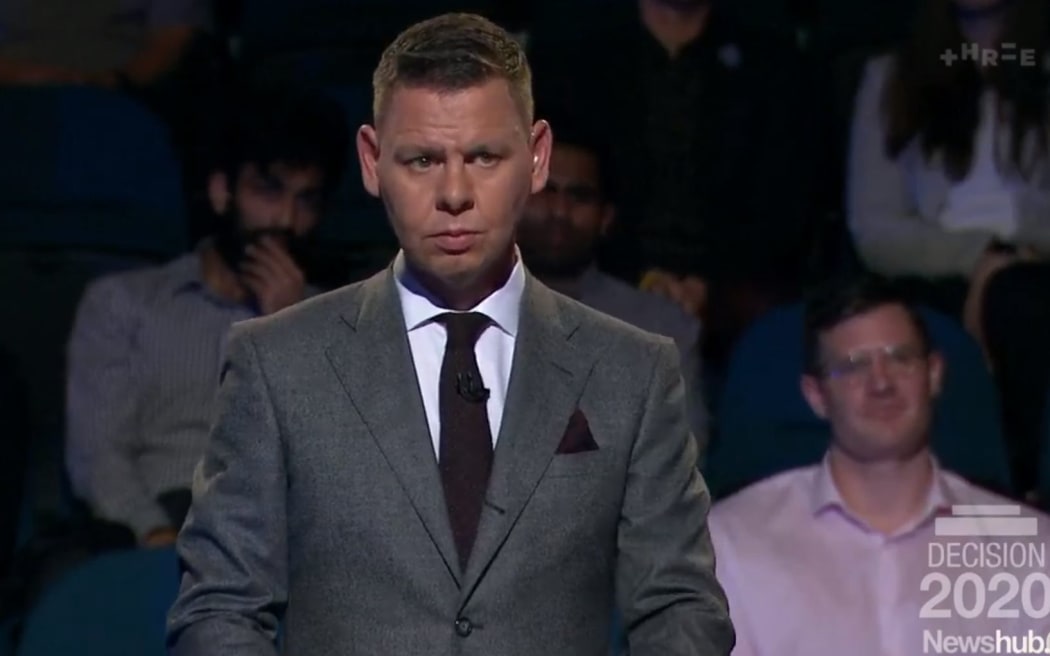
(826, 498)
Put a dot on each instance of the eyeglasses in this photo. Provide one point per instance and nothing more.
(897, 360)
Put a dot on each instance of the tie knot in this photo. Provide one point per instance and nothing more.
(464, 328)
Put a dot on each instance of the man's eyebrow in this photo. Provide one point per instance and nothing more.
(487, 147)
(415, 150)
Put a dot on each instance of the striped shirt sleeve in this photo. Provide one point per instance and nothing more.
(102, 427)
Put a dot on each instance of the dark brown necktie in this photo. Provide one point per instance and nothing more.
(465, 455)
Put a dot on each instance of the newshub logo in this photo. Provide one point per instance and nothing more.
(999, 565)
(936, 642)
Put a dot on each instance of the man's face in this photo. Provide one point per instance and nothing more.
(454, 170)
(281, 198)
(282, 203)
(877, 385)
(563, 222)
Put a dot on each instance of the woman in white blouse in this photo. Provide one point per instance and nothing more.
(949, 185)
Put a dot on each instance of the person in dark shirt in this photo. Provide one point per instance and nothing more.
(712, 141)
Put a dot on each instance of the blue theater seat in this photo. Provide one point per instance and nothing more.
(114, 605)
(87, 168)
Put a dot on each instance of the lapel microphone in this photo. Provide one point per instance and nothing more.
(470, 388)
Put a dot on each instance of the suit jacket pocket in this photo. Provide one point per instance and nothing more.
(587, 463)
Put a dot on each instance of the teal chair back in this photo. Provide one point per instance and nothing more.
(113, 605)
(87, 169)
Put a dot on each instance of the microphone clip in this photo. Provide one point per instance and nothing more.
(471, 388)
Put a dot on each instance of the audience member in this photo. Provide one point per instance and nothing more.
(713, 145)
(145, 351)
(559, 237)
(949, 186)
(109, 43)
(850, 556)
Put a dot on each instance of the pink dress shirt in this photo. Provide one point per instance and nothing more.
(804, 577)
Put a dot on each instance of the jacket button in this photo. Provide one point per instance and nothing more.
(463, 627)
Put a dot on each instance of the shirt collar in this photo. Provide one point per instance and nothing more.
(186, 272)
(825, 496)
(186, 275)
(420, 306)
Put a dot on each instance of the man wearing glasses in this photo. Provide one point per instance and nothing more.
(852, 556)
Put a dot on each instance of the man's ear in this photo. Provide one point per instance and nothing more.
(935, 369)
(814, 395)
(219, 192)
(368, 157)
(541, 142)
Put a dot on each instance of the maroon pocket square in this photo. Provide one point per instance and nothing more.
(577, 437)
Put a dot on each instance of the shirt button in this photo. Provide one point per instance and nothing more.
(464, 627)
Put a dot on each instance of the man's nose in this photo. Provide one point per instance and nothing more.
(879, 374)
(285, 219)
(455, 189)
(559, 203)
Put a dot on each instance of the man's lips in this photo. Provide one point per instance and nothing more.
(455, 241)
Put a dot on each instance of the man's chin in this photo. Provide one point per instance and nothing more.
(886, 448)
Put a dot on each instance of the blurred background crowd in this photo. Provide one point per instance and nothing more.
(169, 167)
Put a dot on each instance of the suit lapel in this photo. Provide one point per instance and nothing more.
(547, 379)
(374, 363)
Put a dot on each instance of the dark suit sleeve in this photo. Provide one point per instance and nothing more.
(671, 602)
(233, 547)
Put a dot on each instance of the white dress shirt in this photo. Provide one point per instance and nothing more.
(494, 349)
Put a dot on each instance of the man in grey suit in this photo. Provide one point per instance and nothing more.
(559, 237)
(449, 458)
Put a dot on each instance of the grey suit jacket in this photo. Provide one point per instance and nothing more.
(319, 501)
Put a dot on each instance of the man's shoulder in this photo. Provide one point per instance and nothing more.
(642, 309)
(879, 66)
(597, 321)
(755, 506)
(141, 284)
(965, 493)
(309, 319)
(608, 338)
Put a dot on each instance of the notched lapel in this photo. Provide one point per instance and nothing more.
(547, 378)
(374, 364)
